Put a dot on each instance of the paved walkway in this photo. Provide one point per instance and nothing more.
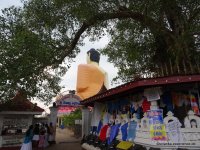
(65, 141)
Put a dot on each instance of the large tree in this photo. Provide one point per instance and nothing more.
(148, 38)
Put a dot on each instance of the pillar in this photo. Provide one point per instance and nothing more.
(61, 121)
(58, 122)
(53, 119)
(85, 121)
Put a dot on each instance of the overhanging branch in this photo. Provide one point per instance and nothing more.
(147, 21)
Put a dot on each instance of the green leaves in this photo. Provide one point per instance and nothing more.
(27, 58)
(69, 120)
(148, 39)
(160, 44)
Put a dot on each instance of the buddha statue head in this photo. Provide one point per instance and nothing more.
(93, 56)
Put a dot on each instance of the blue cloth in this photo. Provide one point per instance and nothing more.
(113, 133)
(132, 130)
(139, 113)
(94, 129)
(117, 105)
(28, 137)
(62, 126)
(124, 131)
(132, 109)
(99, 126)
(167, 99)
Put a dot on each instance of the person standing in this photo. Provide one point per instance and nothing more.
(47, 132)
(36, 132)
(27, 144)
(51, 133)
(42, 138)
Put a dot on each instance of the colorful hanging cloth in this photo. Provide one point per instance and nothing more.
(113, 133)
(131, 131)
(124, 131)
(145, 105)
(99, 127)
(103, 132)
(194, 104)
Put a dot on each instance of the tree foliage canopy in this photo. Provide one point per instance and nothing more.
(148, 38)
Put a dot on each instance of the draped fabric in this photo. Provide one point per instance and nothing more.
(145, 105)
(90, 80)
(26, 146)
(194, 104)
(99, 127)
(131, 131)
(96, 114)
(103, 132)
(113, 133)
(124, 131)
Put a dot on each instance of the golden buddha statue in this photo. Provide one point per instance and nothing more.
(91, 79)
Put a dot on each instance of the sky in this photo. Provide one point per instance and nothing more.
(69, 79)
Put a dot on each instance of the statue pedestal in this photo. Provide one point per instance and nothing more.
(53, 120)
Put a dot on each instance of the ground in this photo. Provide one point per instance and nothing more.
(65, 140)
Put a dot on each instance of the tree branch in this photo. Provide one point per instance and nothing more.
(147, 21)
(194, 14)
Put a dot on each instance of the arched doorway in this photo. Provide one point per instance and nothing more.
(66, 103)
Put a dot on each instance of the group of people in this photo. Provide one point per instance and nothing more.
(38, 136)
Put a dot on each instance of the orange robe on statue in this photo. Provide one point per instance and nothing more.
(90, 80)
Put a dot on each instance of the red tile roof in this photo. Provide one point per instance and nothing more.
(142, 83)
(20, 103)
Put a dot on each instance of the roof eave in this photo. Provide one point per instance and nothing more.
(149, 82)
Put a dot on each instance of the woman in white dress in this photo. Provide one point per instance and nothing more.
(27, 144)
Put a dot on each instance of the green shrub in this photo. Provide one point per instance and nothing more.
(69, 120)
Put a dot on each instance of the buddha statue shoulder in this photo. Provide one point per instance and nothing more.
(91, 79)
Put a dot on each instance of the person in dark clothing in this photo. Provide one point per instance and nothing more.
(36, 132)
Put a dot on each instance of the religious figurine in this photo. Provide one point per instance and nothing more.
(193, 123)
(91, 79)
(118, 119)
(192, 120)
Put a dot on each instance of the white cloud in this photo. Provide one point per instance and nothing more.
(8, 3)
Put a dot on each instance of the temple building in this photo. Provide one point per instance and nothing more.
(16, 116)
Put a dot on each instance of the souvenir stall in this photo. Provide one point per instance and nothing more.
(153, 113)
(16, 116)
